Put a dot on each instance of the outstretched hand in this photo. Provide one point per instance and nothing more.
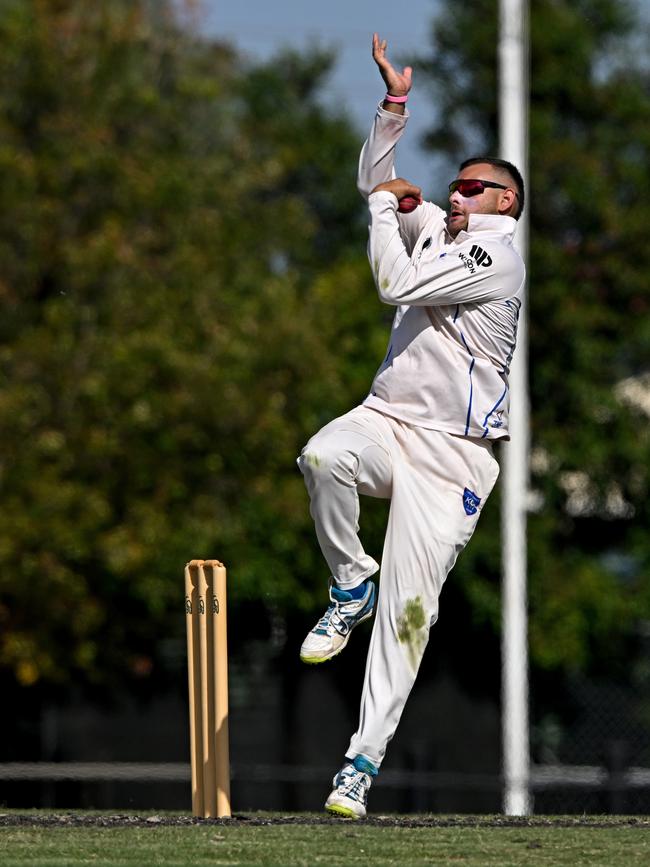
(397, 83)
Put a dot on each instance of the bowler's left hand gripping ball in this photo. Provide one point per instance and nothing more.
(407, 204)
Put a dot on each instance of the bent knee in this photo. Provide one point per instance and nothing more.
(321, 457)
(311, 459)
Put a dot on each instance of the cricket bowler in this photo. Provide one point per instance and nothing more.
(423, 436)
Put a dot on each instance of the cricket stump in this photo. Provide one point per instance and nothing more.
(207, 667)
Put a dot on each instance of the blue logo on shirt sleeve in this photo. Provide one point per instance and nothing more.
(471, 502)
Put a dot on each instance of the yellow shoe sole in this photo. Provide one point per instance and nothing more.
(345, 812)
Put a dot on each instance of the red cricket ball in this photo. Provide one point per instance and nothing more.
(407, 204)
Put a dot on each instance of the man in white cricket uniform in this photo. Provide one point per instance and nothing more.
(423, 436)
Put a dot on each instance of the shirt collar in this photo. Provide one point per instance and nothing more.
(494, 224)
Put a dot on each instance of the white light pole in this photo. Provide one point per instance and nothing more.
(513, 146)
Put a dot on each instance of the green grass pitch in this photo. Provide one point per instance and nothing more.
(39, 838)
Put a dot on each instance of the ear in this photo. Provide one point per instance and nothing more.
(507, 202)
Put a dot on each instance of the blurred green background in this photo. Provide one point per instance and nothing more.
(185, 299)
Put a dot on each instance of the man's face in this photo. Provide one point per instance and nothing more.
(487, 202)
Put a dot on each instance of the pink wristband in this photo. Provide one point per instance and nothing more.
(398, 99)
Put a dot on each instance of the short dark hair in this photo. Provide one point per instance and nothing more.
(504, 165)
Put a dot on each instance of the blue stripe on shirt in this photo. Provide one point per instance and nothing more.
(485, 420)
(471, 384)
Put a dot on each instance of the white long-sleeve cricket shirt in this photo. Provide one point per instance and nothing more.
(457, 299)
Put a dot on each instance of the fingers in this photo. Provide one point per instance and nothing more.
(379, 50)
(400, 187)
(412, 190)
(406, 188)
(401, 82)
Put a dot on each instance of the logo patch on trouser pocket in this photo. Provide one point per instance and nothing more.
(471, 502)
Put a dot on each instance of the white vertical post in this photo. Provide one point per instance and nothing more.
(513, 145)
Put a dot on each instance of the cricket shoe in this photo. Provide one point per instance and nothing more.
(350, 793)
(332, 632)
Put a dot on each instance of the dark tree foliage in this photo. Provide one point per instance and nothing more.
(180, 310)
(185, 299)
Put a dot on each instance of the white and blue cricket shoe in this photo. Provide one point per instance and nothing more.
(350, 794)
(332, 632)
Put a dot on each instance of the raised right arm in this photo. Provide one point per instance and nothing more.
(378, 154)
(377, 160)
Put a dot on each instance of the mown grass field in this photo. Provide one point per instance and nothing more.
(268, 839)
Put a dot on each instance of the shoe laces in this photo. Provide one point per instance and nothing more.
(331, 621)
(334, 619)
(353, 783)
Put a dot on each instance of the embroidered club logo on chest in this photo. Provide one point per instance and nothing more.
(471, 502)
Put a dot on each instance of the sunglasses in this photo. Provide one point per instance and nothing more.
(473, 187)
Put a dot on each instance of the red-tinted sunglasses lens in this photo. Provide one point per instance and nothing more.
(466, 188)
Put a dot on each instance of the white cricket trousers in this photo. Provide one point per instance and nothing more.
(437, 484)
